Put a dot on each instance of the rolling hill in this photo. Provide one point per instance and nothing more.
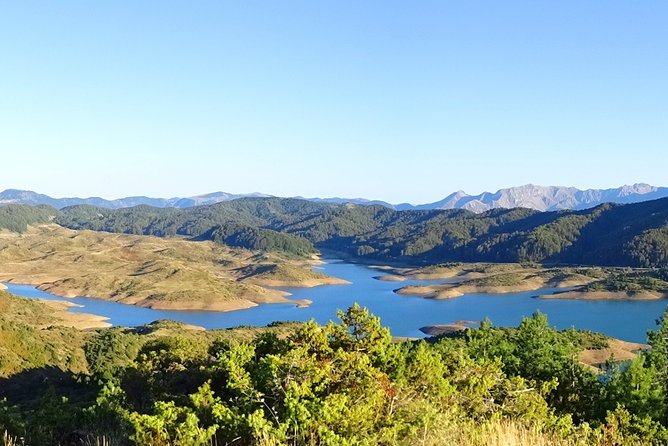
(609, 234)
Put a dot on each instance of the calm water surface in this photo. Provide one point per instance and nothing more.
(403, 314)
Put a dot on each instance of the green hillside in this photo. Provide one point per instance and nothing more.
(231, 224)
(16, 218)
(614, 235)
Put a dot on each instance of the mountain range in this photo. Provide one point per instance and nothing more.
(633, 234)
(541, 198)
(15, 196)
(547, 198)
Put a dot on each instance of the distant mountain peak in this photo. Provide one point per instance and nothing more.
(532, 196)
(548, 198)
(16, 196)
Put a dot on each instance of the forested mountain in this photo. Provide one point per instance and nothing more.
(240, 223)
(618, 235)
(16, 218)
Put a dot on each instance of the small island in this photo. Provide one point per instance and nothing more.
(628, 284)
(591, 283)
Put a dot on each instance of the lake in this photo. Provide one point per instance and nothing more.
(403, 314)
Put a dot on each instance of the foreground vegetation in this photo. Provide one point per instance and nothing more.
(33, 336)
(344, 383)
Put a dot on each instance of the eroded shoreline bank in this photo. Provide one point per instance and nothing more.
(576, 283)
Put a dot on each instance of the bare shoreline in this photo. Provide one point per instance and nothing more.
(274, 297)
(308, 283)
(570, 282)
(441, 292)
(606, 295)
(80, 321)
(450, 291)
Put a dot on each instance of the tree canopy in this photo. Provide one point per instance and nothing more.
(348, 383)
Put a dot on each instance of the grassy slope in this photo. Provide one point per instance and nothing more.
(286, 274)
(153, 272)
(30, 337)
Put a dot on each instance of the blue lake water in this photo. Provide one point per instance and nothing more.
(403, 314)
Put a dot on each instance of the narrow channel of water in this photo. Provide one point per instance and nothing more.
(403, 314)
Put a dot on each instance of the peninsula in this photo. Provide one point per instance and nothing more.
(152, 272)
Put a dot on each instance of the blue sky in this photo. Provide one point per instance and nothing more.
(402, 101)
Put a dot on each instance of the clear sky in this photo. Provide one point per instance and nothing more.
(401, 101)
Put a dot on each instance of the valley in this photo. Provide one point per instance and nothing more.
(145, 317)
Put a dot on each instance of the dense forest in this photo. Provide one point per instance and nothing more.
(17, 218)
(613, 235)
(346, 383)
(609, 235)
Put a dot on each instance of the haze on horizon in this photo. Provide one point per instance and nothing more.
(382, 100)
